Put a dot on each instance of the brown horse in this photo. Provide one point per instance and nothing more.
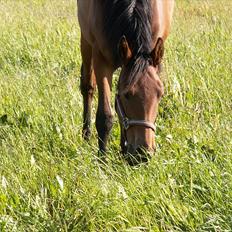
(127, 34)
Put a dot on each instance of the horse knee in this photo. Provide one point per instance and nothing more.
(104, 123)
(87, 89)
(86, 85)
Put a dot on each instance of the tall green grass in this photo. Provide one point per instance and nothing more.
(51, 180)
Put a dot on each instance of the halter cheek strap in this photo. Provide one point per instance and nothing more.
(126, 122)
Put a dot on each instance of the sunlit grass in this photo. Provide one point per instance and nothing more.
(51, 180)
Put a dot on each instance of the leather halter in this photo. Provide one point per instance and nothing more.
(126, 122)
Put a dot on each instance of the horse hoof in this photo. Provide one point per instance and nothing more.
(86, 133)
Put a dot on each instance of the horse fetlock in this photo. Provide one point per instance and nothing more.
(86, 133)
(104, 124)
(87, 89)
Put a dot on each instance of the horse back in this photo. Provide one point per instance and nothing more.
(91, 19)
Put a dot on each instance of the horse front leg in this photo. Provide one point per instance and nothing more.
(104, 118)
(88, 86)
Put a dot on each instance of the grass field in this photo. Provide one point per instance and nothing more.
(50, 179)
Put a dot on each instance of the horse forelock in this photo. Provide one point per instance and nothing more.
(133, 19)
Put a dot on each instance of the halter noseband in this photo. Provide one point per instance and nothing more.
(126, 122)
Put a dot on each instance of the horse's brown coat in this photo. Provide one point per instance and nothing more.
(98, 67)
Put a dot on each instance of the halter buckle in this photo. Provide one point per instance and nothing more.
(125, 123)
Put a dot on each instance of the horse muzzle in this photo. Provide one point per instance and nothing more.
(135, 156)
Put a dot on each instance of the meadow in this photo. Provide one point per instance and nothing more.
(51, 180)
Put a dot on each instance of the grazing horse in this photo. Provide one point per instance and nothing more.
(129, 34)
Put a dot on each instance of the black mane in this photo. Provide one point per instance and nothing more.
(131, 18)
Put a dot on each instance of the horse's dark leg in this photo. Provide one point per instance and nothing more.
(104, 119)
(88, 85)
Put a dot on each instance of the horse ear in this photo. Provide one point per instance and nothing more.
(158, 52)
(124, 51)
